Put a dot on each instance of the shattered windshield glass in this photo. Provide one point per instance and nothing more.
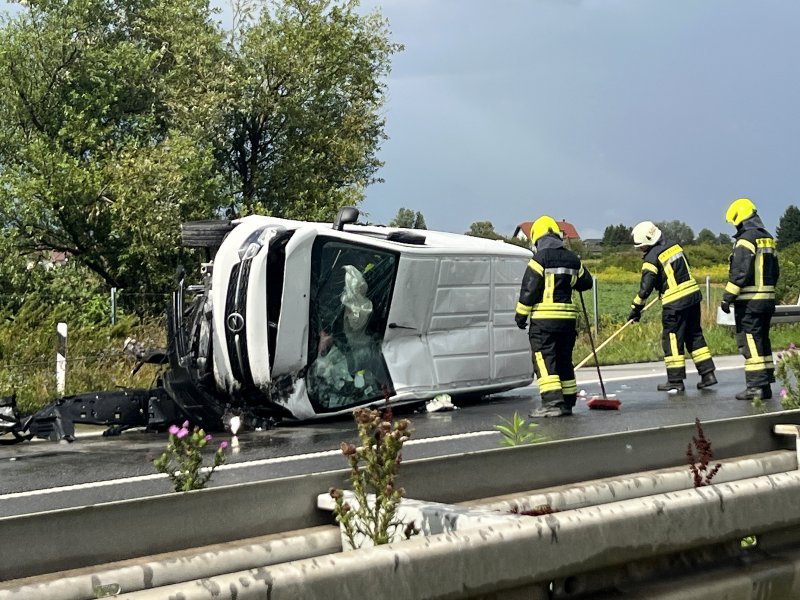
(351, 289)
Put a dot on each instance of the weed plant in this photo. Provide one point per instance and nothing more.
(700, 457)
(787, 370)
(373, 469)
(516, 431)
(182, 461)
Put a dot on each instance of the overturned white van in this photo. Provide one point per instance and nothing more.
(304, 320)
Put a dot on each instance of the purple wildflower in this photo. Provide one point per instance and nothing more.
(783, 392)
(173, 429)
(222, 445)
(185, 425)
(182, 433)
(792, 346)
(208, 437)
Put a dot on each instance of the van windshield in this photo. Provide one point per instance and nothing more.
(351, 291)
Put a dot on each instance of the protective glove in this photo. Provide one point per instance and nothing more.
(635, 315)
(725, 306)
(522, 323)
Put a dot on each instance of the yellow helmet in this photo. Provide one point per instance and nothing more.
(542, 226)
(739, 210)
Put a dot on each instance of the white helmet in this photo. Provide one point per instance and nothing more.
(645, 234)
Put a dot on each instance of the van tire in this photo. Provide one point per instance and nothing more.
(205, 234)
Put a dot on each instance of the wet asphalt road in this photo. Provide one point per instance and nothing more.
(36, 476)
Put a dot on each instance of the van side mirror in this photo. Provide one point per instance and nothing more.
(346, 214)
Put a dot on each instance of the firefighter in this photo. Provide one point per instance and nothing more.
(546, 297)
(752, 277)
(666, 269)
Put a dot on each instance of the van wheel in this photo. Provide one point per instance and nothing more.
(205, 234)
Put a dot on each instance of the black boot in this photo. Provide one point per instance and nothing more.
(763, 392)
(671, 385)
(707, 380)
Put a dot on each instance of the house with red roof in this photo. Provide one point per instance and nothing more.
(568, 231)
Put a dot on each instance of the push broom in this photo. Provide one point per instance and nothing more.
(597, 402)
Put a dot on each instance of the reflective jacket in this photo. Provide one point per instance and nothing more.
(546, 291)
(666, 269)
(754, 269)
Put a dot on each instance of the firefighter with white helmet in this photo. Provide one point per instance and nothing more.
(752, 277)
(666, 269)
(546, 298)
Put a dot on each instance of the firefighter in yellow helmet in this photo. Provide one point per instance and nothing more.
(752, 277)
(666, 269)
(546, 298)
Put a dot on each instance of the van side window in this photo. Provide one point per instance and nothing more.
(351, 290)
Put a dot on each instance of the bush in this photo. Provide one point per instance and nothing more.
(788, 286)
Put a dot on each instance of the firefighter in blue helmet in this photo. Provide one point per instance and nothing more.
(666, 269)
(752, 277)
(546, 298)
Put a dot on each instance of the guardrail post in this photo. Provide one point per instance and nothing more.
(113, 306)
(596, 311)
(790, 430)
(61, 358)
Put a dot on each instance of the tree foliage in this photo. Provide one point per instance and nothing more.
(119, 119)
(706, 236)
(788, 230)
(483, 229)
(302, 120)
(677, 231)
(408, 219)
(617, 235)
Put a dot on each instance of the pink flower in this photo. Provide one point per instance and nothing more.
(223, 445)
(185, 425)
(208, 437)
(792, 346)
(182, 433)
(173, 429)
(783, 392)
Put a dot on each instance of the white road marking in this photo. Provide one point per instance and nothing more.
(228, 467)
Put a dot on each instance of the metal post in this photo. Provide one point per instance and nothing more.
(596, 307)
(708, 292)
(61, 358)
(113, 306)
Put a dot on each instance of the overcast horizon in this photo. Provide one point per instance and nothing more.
(598, 112)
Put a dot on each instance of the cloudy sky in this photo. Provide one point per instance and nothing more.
(594, 111)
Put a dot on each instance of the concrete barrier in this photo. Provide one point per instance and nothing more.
(527, 556)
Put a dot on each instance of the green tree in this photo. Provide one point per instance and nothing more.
(677, 231)
(706, 236)
(483, 229)
(788, 231)
(419, 221)
(724, 239)
(617, 235)
(403, 218)
(100, 104)
(303, 119)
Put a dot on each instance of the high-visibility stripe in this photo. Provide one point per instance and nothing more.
(549, 288)
(745, 244)
(732, 288)
(541, 364)
(551, 383)
(560, 271)
(751, 345)
(545, 313)
(669, 253)
(569, 386)
(679, 291)
(757, 296)
(674, 362)
(523, 309)
(765, 244)
(637, 302)
(701, 354)
(648, 267)
(535, 266)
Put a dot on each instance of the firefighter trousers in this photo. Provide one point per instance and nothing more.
(552, 363)
(752, 337)
(682, 331)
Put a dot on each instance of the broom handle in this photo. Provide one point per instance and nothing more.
(613, 335)
(591, 341)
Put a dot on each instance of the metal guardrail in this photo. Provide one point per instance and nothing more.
(35, 544)
(786, 313)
